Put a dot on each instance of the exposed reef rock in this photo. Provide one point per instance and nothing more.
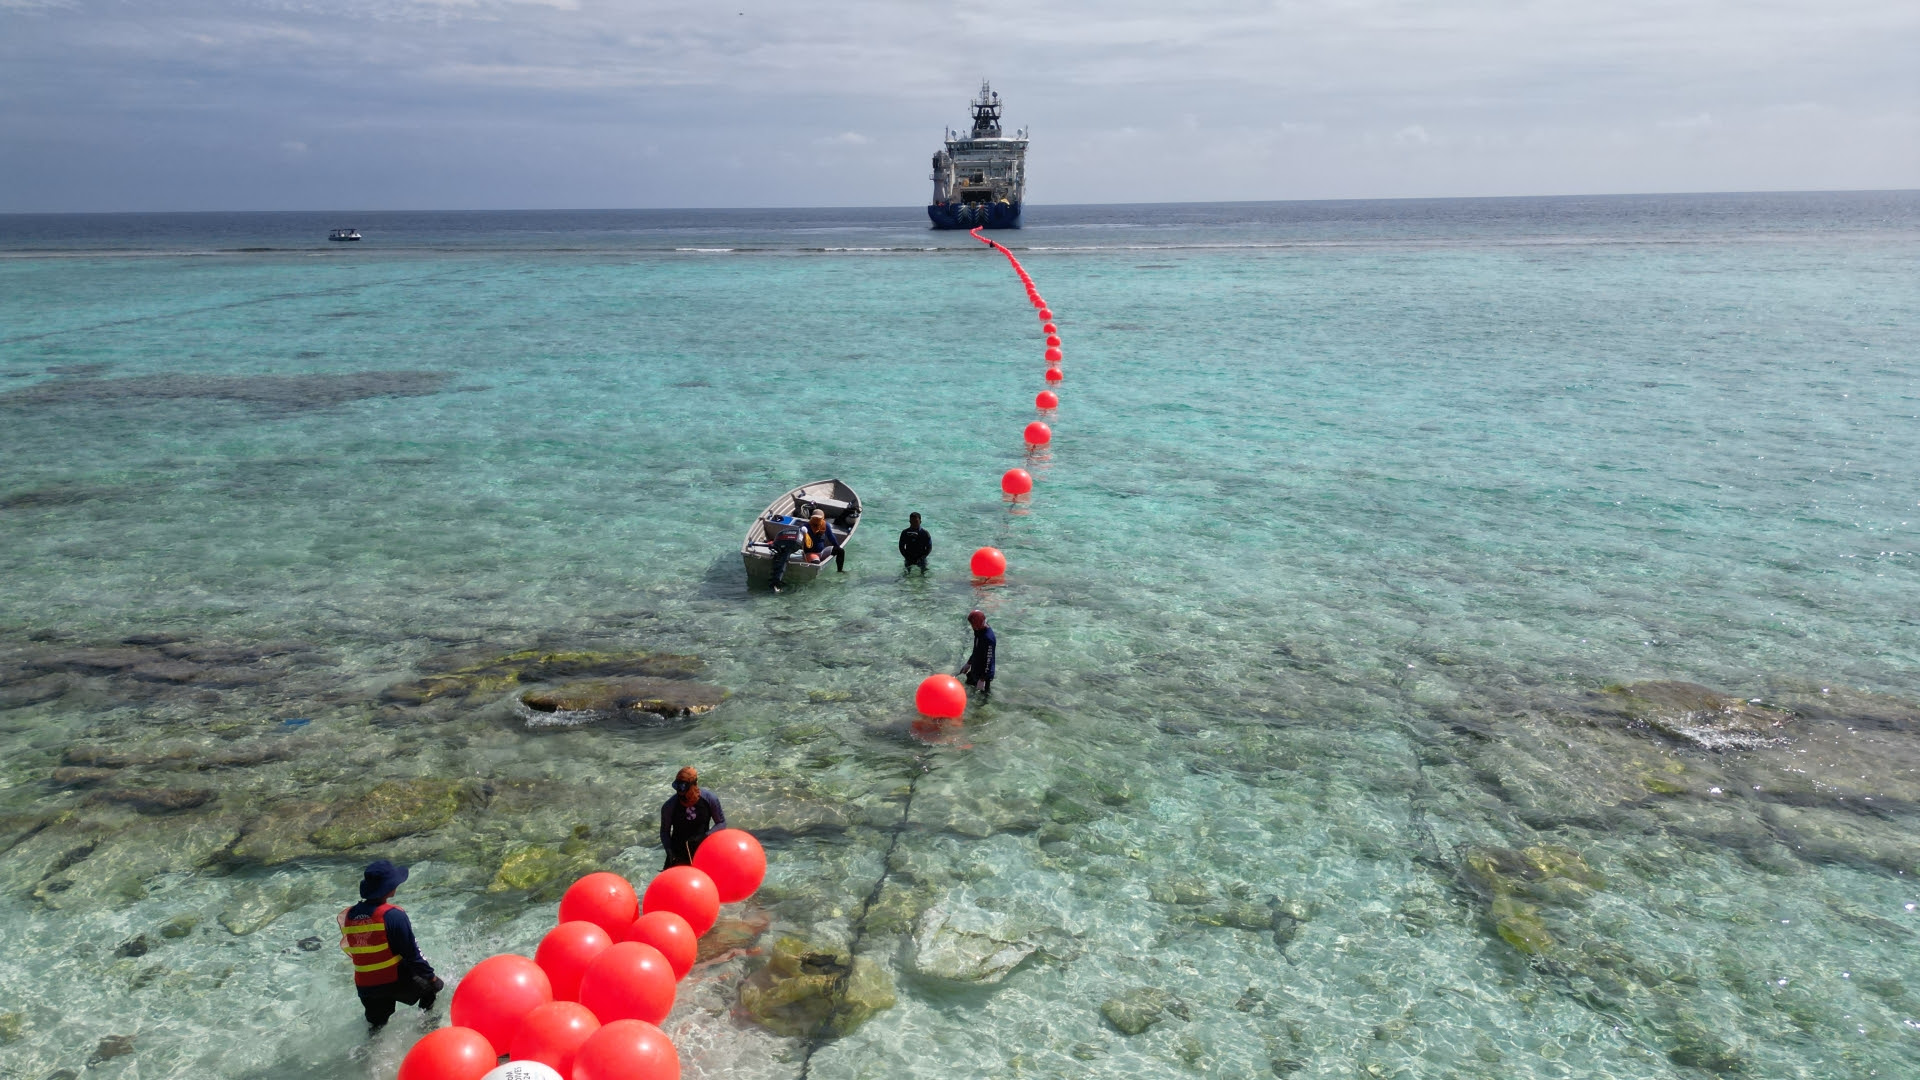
(810, 991)
(1696, 715)
(632, 700)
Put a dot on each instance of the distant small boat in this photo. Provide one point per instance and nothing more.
(344, 234)
(791, 511)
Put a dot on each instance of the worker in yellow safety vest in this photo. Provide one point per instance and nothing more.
(377, 937)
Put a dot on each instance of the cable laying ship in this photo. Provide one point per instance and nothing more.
(981, 179)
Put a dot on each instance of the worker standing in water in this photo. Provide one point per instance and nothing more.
(687, 818)
(979, 667)
(377, 937)
(915, 544)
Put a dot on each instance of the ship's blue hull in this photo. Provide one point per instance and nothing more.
(993, 215)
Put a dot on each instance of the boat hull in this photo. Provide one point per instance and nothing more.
(760, 569)
(993, 215)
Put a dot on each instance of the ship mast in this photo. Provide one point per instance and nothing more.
(986, 113)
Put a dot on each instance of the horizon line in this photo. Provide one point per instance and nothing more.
(1024, 206)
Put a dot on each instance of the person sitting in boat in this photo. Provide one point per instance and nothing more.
(821, 542)
(785, 542)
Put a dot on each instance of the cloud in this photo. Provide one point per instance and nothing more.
(547, 102)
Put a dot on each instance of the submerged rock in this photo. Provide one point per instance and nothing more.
(1700, 716)
(1547, 873)
(808, 991)
(532, 867)
(1285, 916)
(1136, 1010)
(897, 908)
(33, 691)
(962, 943)
(728, 936)
(1519, 925)
(1179, 891)
(392, 808)
(642, 700)
(534, 666)
(154, 800)
(284, 832)
(179, 926)
(107, 757)
(255, 905)
(111, 1047)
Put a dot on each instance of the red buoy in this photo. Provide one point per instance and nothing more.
(1054, 356)
(630, 981)
(1039, 434)
(988, 562)
(496, 995)
(670, 934)
(1053, 341)
(1046, 399)
(627, 1050)
(565, 953)
(603, 899)
(940, 697)
(1016, 481)
(1045, 315)
(1049, 328)
(1053, 375)
(552, 1034)
(688, 893)
(735, 861)
(452, 1053)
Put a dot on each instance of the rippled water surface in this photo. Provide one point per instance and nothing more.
(1345, 723)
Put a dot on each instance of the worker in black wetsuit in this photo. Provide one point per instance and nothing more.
(688, 817)
(979, 667)
(915, 544)
(378, 939)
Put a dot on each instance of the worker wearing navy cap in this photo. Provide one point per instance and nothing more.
(377, 937)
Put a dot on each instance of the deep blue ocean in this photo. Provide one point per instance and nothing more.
(1448, 638)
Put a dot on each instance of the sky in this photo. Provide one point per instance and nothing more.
(482, 104)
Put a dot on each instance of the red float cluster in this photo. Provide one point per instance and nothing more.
(936, 699)
(588, 1003)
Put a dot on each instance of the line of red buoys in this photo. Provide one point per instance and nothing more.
(586, 1005)
(941, 697)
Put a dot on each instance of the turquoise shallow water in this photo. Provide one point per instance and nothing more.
(1357, 519)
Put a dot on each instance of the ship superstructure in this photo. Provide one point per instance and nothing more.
(980, 179)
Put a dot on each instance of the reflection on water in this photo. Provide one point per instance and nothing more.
(1417, 662)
